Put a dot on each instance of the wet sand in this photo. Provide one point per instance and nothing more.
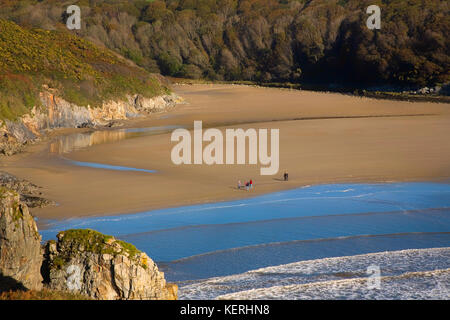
(324, 138)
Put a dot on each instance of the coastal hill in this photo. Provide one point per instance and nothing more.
(54, 79)
(83, 73)
(321, 42)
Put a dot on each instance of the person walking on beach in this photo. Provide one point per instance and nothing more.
(246, 185)
(286, 177)
(239, 184)
(251, 184)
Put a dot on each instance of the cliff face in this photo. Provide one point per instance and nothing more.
(83, 262)
(102, 267)
(58, 113)
(20, 248)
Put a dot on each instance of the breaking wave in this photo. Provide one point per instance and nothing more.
(404, 274)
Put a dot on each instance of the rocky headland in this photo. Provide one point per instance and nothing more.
(84, 262)
(103, 267)
(55, 79)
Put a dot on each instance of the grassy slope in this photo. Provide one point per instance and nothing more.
(82, 72)
(45, 294)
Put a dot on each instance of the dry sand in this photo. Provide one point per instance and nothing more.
(324, 137)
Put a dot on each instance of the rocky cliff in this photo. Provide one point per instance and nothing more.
(56, 112)
(20, 248)
(82, 262)
(103, 267)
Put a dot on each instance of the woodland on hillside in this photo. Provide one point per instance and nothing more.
(297, 41)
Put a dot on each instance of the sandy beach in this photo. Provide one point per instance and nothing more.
(324, 138)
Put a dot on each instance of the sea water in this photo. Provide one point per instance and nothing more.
(195, 244)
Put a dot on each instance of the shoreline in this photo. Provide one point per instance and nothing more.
(360, 92)
(326, 123)
(204, 235)
(44, 223)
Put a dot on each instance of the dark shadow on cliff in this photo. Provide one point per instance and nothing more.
(10, 284)
(45, 267)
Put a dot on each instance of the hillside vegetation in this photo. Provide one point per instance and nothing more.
(299, 41)
(82, 72)
(45, 294)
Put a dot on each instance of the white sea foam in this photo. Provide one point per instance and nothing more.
(406, 274)
(409, 286)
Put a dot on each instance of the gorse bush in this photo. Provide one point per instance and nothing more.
(299, 41)
(82, 72)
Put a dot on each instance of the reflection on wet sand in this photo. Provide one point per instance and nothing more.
(76, 141)
(65, 144)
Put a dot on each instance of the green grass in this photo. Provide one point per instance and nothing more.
(78, 240)
(81, 72)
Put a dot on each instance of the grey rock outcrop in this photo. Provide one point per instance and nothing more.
(30, 193)
(20, 248)
(9, 144)
(102, 267)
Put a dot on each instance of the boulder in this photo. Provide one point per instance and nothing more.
(424, 90)
(20, 244)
